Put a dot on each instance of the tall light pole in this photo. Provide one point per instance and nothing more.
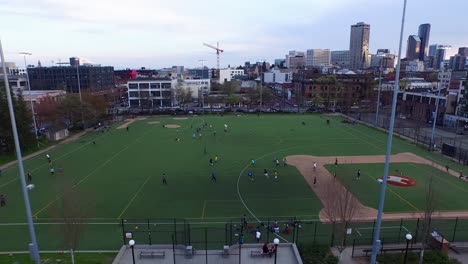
(30, 96)
(33, 247)
(434, 120)
(408, 239)
(379, 89)
(276, 242)
(376, 240)
(131, 243)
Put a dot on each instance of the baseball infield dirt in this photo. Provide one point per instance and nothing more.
(129, 121)
(305, 163)
(171, 126)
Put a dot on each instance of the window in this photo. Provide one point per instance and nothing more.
(155, 85)
(155, 93)
(132, 86)
(166, 85)
(133, 94)
(144, 94)
(144, 85)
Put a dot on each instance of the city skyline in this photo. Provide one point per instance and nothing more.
(157, 34)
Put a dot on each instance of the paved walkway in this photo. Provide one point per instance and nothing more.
(287, 254)
(42, 151)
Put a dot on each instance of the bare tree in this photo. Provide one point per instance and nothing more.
(73, 208)
(340, 207)
(430, 203)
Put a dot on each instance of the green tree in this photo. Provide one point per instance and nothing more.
(23, 123)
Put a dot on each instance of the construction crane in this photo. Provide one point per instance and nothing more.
(218, 51)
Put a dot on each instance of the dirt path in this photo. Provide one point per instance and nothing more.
(42, 151)
(129, 121)
(305, 163)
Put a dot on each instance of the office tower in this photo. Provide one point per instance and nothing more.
(359, 46)
(423, 33)
(318, 57)
(413, 48)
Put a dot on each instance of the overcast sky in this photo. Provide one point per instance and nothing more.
(154, 33)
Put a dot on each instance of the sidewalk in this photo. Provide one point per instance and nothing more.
(42, 151)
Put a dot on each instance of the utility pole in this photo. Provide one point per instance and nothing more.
(33, 247)
(376, 240)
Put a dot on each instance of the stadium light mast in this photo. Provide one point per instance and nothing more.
(376, 241)
(33, 247)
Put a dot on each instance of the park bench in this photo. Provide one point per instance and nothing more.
(152, 254)
(390, 249)
(225, 252)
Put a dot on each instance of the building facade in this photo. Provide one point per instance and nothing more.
(318, 58)
(92, 78)
(278, 76)
(226, 75)
(150, 93)
(197, 87)
(424, 32)
(440, 54)
(415, 66)
(413, 48)
(359, 46)
(340, 58)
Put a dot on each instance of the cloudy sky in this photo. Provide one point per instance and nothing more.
(155, 33)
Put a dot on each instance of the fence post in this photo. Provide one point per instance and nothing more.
(175, 230)
(455, 229)
(149, 232)
(352, 252)
(399, 232)
(332, 235)
(230, 233)
(206, 246)
(123, 230)
(294, 229)
(373, 230)
(268, 230)
(173, 249)
(189, 235)
(226, 234)
(315, 231)
(417, 231)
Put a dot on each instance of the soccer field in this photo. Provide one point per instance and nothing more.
(121, 175)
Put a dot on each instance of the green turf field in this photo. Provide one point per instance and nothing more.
(120, 176)
(449, 191)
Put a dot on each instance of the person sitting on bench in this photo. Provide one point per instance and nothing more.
(272, 250)
(265, 249)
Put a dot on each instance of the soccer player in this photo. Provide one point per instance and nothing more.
(315, 166)
(94, 142)
(216, 159)
(258, 235)
(29, 176)
(250, 174)
(265, 172)
(211, 162)
(60, 170)
(276, 174)
(252, 162)
(315, 180)
(225, 128)
(213, 177)
(164, 181)
(52, 171)
(336, 162)
(358, 176)
(277, 162)
(2, 200)
(285, 162)
(48, 158)
(128, 128)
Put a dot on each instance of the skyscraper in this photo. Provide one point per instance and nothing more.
(439, 57)
(413, 48)
(423, 33)
(359, 46)
(340, 58)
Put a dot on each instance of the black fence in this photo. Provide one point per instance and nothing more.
(421, 134)
(215, 235)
